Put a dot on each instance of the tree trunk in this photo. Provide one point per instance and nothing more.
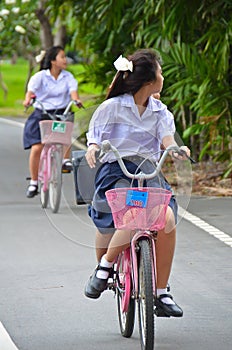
(3, 86)
(46, 31)
(61, 36)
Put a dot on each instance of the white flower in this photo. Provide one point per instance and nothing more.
(20, 29)
(4, 12)
(123, 64)
(10, 2)
(15, 10)
(25, 1)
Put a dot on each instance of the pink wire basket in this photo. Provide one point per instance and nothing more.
(139, 208)
(53, 131)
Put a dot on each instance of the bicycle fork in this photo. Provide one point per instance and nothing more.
(134, 258)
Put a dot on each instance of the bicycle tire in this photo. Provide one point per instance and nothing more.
(44, 194)
(146, 298)
(125, 302)
(55, 182)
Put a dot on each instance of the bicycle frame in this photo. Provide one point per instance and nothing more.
(45, 158)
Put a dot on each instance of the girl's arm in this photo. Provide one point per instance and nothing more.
(169, 140)
(75, 96)
(28, 98)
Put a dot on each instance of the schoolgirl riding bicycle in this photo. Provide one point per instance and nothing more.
(54, 87)
(137, 125)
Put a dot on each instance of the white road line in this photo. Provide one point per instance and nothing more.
(211, 230)
(12, 122)
(5, 341)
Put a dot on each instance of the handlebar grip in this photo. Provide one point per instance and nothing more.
(79, 104)
(33, 98)
(105, 146)
(182, 152)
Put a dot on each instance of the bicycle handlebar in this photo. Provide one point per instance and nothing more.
(62, 116)
(106, 147)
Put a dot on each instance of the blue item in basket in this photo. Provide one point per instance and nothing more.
(136, 198)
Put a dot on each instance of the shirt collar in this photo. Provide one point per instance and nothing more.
(154, 105)
(48, 73)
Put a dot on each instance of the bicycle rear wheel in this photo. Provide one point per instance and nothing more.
(146, 298)
(55, 182)
(125, 302)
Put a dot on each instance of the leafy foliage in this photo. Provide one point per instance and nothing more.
(194, 39)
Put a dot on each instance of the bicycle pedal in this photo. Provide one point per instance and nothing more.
(64, 171)
(160, 313)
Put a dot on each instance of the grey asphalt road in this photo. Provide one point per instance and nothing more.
(45, 260)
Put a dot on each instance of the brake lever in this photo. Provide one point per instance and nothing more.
(182, 152)
(79, 105)
(100, 154)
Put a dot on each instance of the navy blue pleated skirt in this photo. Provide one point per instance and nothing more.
(31, 133)
(110, 176)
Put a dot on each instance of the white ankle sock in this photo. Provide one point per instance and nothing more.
(101, 273)
(32, 185)
(166, 300)
(34, 182)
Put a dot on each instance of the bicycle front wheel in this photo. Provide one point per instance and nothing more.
(43, 180)
(146, 298)
(125, 302)
(55, 182)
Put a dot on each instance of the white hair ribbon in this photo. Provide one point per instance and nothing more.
(40, 56)
(122, 64)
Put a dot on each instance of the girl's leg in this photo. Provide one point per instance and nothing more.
(34, 160)
(67, 150)
(165, 248)
(119, 242)
(101, 244)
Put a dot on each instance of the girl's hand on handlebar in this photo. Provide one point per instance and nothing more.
(91, 155)
(78, 103)
(183, 154)
(29, 100)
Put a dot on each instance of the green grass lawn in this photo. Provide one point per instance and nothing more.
(14, 77)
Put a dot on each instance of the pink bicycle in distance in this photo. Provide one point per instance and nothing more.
(56, 132)
(142, 210)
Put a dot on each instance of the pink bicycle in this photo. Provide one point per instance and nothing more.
(142, 210)
(56, 131)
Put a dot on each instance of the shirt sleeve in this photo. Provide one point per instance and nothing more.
(165, 125)
(35, 82)
(72, 82)
(100, 126)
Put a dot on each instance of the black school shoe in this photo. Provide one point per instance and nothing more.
(67, 166)
(32, 193)
(95, 286)
(167, 310)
